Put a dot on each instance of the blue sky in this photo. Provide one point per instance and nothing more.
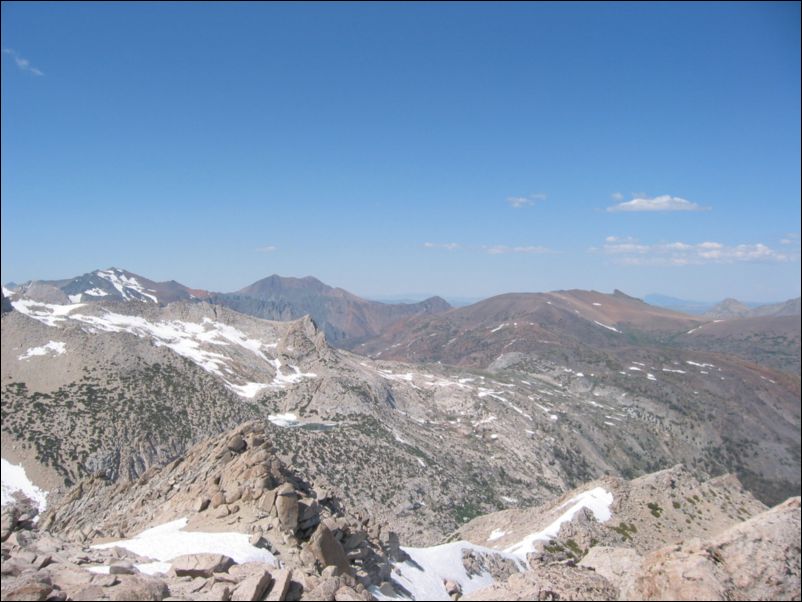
(458, 149)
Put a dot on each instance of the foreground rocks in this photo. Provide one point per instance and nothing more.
(758, 559)
(38, 566)
(669, 538)
(230, 483)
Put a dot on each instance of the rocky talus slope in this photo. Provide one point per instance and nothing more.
(669, 537)
(230, 521)
(232, 483)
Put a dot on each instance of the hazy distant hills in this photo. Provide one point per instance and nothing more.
(728, 308)
(732, 308)
(344, 317)
(479, 334)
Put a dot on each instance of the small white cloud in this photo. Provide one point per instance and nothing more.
(267, 249)
(629, 251)
(518, 202)
(503, 249)
(449, 246)
(21, 62)
(790, 238)
(664, 202)
(617, 196)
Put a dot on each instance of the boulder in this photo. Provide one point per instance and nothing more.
(281, 583)
(287, 507)
(236, 444)
(328, 551)
(201, 565)
(28, 587)
(234, 495)
(8, 521)
(139, 587)
(121, 567)
(253, 587)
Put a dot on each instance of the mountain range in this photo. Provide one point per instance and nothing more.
(432, 423)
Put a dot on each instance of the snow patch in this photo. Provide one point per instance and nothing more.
(126, 285)
(597, 500)
(46, 313)
(55, 347)
(496, 534)
(96, 292)
(169, 540)
(614, 329)
(285, 420)
(690, 363)
(13, 479)
(423, 576)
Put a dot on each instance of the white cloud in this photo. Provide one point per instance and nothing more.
(630, 251)
(790, 239)
(518, 202)
(450, 246)
(503, 249)
(267, 249)
(664, 202)
(617, 196)
(23, 63)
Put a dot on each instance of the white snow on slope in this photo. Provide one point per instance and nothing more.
(56, 347)
(690, 363)
(607, 327)
(188, 339)
(285, 420)
(7, 293)
(169, 540)
(249, 390)
(597, 500)
(285, 379)
(96, 292)
(125, 284)
(499, 327)
(46, 313)
(496, 534)
(13, 479)
(424, 575)
(673, 370)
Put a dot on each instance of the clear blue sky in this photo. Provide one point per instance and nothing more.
(459, 149)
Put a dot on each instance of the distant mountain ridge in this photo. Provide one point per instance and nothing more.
(345, 318)
(106, 285)
(728, 308)
(732, 308)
